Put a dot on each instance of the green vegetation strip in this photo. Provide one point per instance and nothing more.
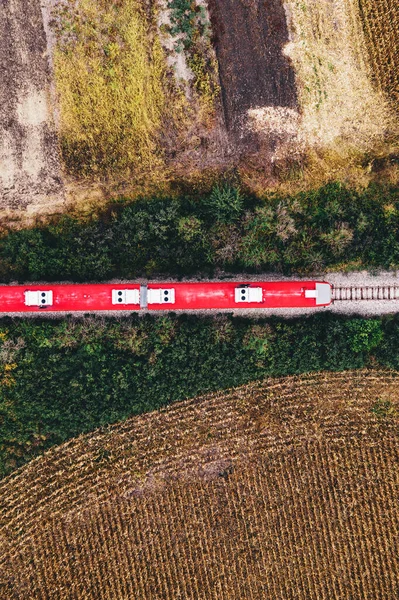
(59, 378)
(330, 228)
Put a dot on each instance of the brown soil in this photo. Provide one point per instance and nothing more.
(249, 37)
(29, 164)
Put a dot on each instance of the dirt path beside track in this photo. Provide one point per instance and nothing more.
(29, 159)
(249, 37)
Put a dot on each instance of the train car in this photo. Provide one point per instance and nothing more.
(163, 296)
(238, 294)
(69, 297)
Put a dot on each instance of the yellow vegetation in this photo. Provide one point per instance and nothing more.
(208, 91)
(337, 98)
(344, 117)
(111, 82)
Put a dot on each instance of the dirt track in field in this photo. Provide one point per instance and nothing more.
(249, 36)
(29, 160)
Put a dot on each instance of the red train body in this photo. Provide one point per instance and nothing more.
(244, 294)
(163, 296)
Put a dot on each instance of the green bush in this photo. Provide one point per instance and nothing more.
(224, 204)
(364, 335)
(308, 233)
(188, 20)
(59, 378)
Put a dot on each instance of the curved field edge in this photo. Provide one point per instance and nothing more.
(287, 482)
(60, 378)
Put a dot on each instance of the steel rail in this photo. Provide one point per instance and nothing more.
(365, 293)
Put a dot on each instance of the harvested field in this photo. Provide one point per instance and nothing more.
(342, 116)
(249, 38)
(381, 24)
(279, 489)
(29, 162)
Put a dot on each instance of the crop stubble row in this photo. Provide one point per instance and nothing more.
(305, 525)
(156, 443)
(381, 25)
(141, 534)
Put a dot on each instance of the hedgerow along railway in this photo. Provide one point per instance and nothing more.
(182, 296)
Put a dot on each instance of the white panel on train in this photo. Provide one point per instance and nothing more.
(322, 293)
(161, 296)
(248, 294)
(39, 298)
(125, 297)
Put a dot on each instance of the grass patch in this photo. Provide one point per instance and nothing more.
(383, 408)
(113, 91)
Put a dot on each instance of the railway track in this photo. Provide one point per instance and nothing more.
(340, 294)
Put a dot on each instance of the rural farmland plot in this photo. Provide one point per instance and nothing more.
(249, 39)
(29, 163)
(285, 488)
(381, 24)
(281, 91)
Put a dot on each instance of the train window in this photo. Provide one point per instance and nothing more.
(125, 297)
(38, 298)
(248, 294)
(161, 296)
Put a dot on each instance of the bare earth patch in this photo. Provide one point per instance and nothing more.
(249, 38)
(30, 179)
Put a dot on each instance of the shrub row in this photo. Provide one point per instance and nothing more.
(311, 232)
(61, 378)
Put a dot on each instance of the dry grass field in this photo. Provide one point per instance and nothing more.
(129, 121)
(111, 80)
(283, 489)
(343, 120)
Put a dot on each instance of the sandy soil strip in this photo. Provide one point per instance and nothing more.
(29, 157)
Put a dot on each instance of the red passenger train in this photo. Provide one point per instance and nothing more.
(163, 296)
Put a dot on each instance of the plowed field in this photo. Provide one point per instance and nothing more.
(249, 38)
(281, 489)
